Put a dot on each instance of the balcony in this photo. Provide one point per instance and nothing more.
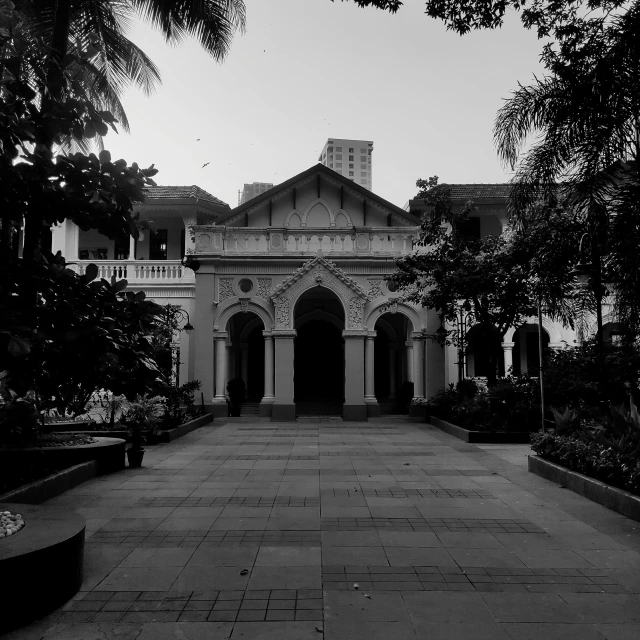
(249, 241)
(141, 272)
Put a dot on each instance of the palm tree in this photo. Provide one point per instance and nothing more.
(110, 62)
(584, 119)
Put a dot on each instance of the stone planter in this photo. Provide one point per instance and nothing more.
(486, 437)
(611, 497)
(41, 565)
(107, 452)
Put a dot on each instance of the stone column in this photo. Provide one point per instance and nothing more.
(392, 372)
(507, 348)
(373, 408)
(283, 409)
(230, 368)
(354, 408)
(269, 396)
(132, 248)
(409, 372)
(418, 365)
(220, 401)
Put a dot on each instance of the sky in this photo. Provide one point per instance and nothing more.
(308, 70)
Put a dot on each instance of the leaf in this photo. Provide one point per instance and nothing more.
(18, 347)
(104, 155)
(90, 273)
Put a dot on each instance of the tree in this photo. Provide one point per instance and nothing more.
(499, 280)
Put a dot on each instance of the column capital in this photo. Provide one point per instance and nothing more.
(508, 345)
(220, 335)
(284, 333)
(409, 343)
(267, 334)
(417, 335)
(371, 335)
(354, 333)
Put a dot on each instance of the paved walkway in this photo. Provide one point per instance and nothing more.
(344, 531)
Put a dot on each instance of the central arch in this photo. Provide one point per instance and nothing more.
(319, 353)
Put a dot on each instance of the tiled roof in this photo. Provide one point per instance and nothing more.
(183, 193)
(477, 191)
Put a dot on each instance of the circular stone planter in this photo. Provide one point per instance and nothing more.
(40, 566)
(107, 452)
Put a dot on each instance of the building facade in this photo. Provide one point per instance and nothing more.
(350, 158)
(290, 294)
(250, 191)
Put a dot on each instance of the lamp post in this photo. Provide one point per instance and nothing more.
(588, 272)
(180, 314)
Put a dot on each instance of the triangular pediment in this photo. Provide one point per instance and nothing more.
(318, 198)
(318, 265)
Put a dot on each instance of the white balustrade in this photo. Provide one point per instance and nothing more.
(250, 240)
(139, 272)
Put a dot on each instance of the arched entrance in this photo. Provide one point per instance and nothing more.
(391, 363)
(245, 356)
(483, 347)
(526, 352)
(319, 353)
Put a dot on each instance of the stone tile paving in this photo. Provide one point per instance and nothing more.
(330, 530)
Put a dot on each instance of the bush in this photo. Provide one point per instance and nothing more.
(590, 458)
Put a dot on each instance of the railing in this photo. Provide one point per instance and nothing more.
(141, 272)
(251, 240)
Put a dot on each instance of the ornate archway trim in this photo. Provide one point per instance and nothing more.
(397, 307)
(330, 266)
(548, 325)
(231, 307)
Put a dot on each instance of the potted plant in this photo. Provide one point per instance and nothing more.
(237, 390)
(141, 416)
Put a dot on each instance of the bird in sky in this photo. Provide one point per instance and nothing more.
(205, 164)
(197, 139)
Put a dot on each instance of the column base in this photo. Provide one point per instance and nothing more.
(283, 412)
(373, 409)
(220, 410)
(354, 412)
(265, 408)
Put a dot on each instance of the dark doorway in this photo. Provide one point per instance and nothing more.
(319, 363)
(255, 370)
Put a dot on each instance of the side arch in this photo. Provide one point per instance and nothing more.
(295, 212)
(548, 325)
(230, 307)
(400, 307)
(338, 215)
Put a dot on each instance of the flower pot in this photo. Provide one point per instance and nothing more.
(134, 456)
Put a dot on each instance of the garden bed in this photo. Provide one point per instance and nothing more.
(168, 435)
(613, 498)
(486, 437)
(41, 565)
(107, 452)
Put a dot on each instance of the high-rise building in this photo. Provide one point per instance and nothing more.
(351, 158)
(252, 190)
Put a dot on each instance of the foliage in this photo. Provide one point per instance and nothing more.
(179, 404)
(590, 458)
(510, 405)
(498, 280)
(142, 415)
(566, 422)
(19, 417)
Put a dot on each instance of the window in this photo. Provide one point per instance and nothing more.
(363, 150)
(182, 239)
(350, 149)
(245, 285)
(470, 228)
(338, 156)
(616, 339)
(339, 165)
(338, 149)
(331, 165)
(158, 245)
(363, 166)
(363, 174)
(351, 158)
(121, 248)
(363, 182)
(350, 173)
(330, 149)
(363, 158)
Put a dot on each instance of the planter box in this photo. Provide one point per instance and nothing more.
(71, 425)
(53, 485)
(611, 497)
(418, 411)
(107, 452)
(481, 437)
(183, 429)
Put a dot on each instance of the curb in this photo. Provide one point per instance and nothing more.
(615, 499)
(481, 437)
(53, 485)
(183, 429)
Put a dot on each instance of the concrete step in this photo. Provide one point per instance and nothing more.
(250, 408)
(318, 409)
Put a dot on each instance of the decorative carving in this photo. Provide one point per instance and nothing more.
(244, 304)
(282, 312)
(319, 278)
(393, 307)
(375, 290)
(225, 289)
(356, 306)
(264, 286)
